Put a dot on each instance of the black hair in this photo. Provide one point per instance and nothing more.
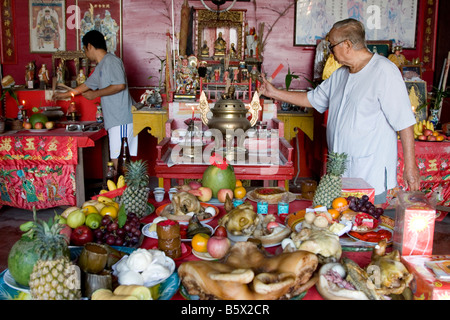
(96, 39)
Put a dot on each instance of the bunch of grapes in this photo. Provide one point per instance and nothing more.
(364, 205)
(110, 233)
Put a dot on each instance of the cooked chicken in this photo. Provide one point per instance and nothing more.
(242, 220)
(248, 274)
(318, 241)
(389, 274)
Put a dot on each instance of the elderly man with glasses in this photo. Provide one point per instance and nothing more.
(368, 106)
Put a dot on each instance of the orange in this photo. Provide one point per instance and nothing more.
(240, 192)
(238, 183)
(318, 206)
(199, 242)
(435, 133)
(339, 204)
(334, 213)
(440, 138)
(89, 209)
(109, 211)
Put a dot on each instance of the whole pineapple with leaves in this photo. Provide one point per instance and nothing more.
(54, 276)
(330, 185)
(135, 195)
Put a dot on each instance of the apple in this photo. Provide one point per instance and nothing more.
(221, 231)
(431, 138)
(272, 225)
(218, 246)
(39, 125)
(49, 124)
(81, 235)
(422, 137)
(427, 132)
(67, 232)
(222, 194)
(194, 185)
(27, 125)
(206, 194)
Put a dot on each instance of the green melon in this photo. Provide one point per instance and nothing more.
(21, 260)
(216, 179)
(38, 117)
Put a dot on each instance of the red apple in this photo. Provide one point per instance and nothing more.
(39, 125)
(194, 185)
(422, 137)
(427, 132)
(27, 125)
(67, 232)
(206, 194)
(81, 235)
(221, 231)
(218, 246)
(49, 124)
(431, 138)
(222, 195)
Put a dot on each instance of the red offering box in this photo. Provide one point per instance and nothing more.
(414, 224)
(425, 285)
(357, 187)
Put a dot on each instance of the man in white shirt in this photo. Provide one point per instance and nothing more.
(367, 105)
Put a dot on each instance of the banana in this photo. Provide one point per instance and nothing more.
(430, 125)
(27, 226)
(120, 181)
(417, 130)
(103, 191)
(105, 200)
(111, 185)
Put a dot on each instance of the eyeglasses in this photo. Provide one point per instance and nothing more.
(331, 47)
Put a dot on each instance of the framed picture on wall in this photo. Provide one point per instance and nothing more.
(104, 16)
(383, 19)
(417, 92)
(47, 25)
(383, 48)
(412, 72)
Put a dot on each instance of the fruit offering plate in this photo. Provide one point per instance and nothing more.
(10, 290)
(185, 221)
(152, 234)
(251, 196)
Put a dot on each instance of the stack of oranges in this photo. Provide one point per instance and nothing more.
(338, 206)
(239, 190)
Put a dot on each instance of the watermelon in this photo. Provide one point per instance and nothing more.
(217, 178)
(38, 117)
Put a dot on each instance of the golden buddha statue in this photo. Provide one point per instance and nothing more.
(219, 46)
(205, 50)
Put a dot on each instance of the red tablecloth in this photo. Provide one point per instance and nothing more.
(38, 169)
(362, 258)
(433, 160)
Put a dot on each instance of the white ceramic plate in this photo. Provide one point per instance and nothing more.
(203, 255)
(9, 280)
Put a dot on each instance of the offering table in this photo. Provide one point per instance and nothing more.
(45, 168)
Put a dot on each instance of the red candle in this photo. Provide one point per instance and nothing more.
(192, 112)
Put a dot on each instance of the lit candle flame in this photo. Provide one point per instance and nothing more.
(23, 102)
(192, 112)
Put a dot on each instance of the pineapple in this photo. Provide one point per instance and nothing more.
(135, 195)
(330, 185)
(54, 276)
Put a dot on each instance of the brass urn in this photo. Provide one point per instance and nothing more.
(229, 113)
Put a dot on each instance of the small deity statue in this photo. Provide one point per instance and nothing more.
(205, 49)
(29, 71)
(43, 74)
(397, 57)
(236, 75)
(219, 46)
(81, 78)
(217, 75)
(60, 73)
(186, 76)
(233, 54)
(252, 43)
